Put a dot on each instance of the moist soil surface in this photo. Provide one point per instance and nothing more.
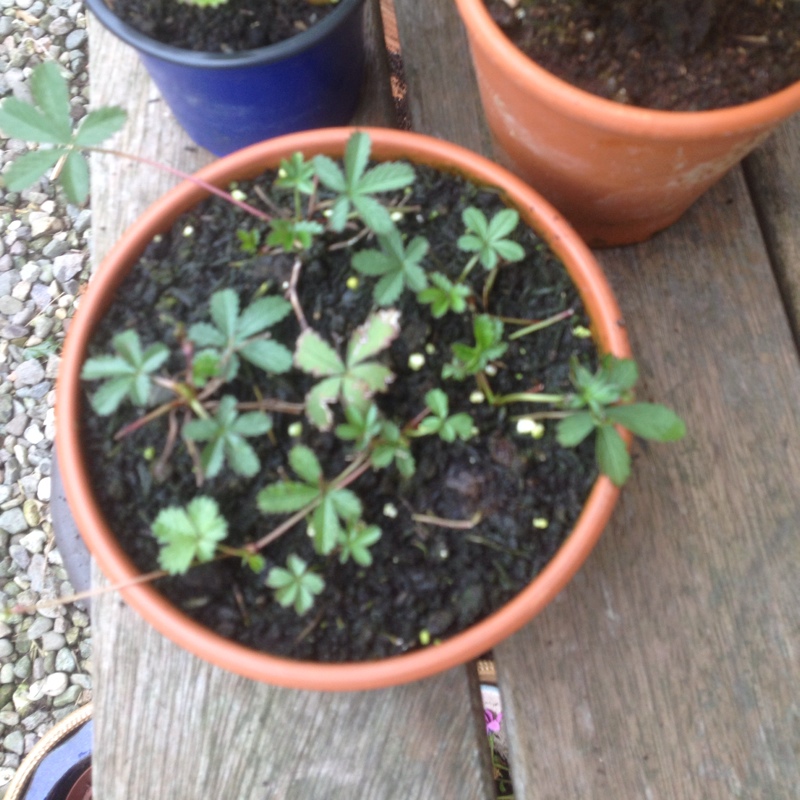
(424, 578)
(228, 28)
(679, 55)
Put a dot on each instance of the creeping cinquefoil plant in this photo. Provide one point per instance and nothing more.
(194, 384)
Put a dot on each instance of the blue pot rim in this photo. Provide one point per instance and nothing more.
(245, 58)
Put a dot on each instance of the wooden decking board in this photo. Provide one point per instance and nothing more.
(168, 720)
(668, 668)
(169, 725)
(773, 175)
(442, 92)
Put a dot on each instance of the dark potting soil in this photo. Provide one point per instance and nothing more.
(424, 577)
(680, 55)
(228, 28)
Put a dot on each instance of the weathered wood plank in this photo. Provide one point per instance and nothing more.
(669, 667)
(169, 725)
(442, 92)
(773, 174)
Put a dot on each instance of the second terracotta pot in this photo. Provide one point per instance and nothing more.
(618, 173)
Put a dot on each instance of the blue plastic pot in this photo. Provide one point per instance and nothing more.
(226, 101)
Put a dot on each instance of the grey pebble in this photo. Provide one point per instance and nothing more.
(29, 373)
(75, 39)
(13, 521)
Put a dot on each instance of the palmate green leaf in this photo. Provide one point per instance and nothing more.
(356, 185)
(28, 168)
(295, 585)
(296, 173)
(612, 455)
(572, 430)
(226, 432)
(98, 125)
(399, 266)
(649, 420)
(444, 295)
(487, 238)
(129, 369)
(189, 534)
(355, 541)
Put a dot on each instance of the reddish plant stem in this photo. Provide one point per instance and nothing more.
(209, 187)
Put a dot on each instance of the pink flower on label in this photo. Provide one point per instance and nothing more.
(492, 720)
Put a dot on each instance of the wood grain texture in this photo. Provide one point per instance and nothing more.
(773, 175)
(167, 725)
(170, 725)
(442, 92)
(669, 667)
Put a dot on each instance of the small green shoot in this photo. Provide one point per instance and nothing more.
(225, 433)
(249, 240)
(126, 374)
(355, 541)
(448, 428)
(356, 185)
(189, 534)
(47, 121)
(488, 240)
(397, 266)
(355, 378)
(444, 296)
(595, 404)
(472, 359)
(333, 508)
(296, 585)
(235, 334)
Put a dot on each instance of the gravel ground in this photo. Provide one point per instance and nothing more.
(44, 258)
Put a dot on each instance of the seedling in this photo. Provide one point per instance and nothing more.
(197, 384)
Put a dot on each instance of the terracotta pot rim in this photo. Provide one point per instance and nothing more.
(617, 117)
(118, 568)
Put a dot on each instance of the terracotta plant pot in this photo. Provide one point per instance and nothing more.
(610, 337)
(618, 173)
